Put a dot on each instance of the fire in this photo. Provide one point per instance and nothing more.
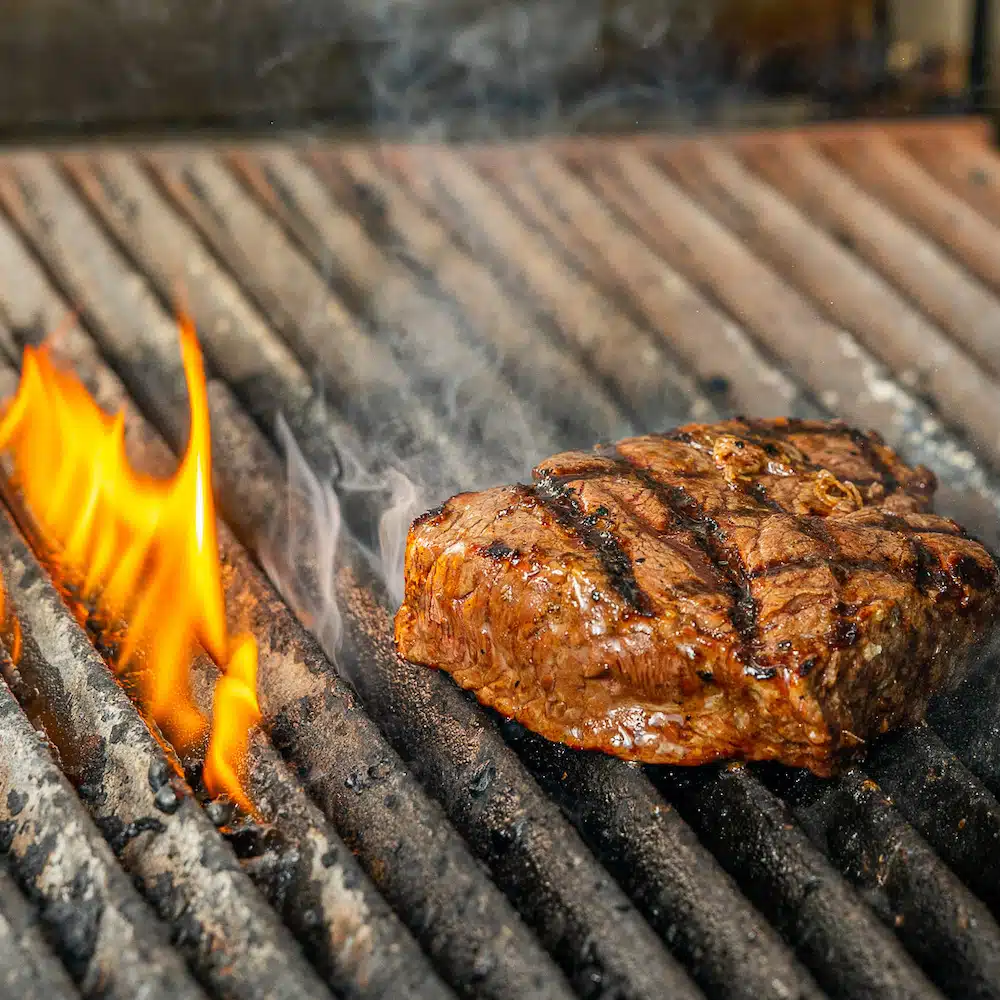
(9, 629)
(142, 550)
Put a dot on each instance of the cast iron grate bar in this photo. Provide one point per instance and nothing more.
(105, 934)
(30, 969)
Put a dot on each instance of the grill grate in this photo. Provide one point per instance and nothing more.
(468, 310)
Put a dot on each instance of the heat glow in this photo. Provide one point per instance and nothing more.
(139, 549)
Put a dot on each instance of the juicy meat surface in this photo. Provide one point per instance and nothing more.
(765, 589)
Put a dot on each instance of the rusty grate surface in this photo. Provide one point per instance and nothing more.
(465, 311)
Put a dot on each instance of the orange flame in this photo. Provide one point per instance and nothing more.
(142, 549)
(9, 630)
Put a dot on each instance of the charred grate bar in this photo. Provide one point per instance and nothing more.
(457, 313)
(106, 936)
(30, 969)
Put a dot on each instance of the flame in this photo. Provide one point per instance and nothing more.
(142, 550)
(10, 628)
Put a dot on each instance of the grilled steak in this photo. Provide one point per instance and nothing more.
(766, 589)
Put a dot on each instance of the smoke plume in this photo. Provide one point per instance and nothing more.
(302, 549)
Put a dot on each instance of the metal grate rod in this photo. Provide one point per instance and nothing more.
(106, 935)
(142, 806)
(28, 969)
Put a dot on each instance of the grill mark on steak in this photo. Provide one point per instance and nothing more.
(843, 631)
(641, 523)
(744, 616)
(559, 500)
(730, 572)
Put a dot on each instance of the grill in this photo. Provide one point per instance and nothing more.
(464, 311)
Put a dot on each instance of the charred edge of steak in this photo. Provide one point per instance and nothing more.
(561, 502)
(429, 515)
(730, 571)
(931, 576)
(967, 570)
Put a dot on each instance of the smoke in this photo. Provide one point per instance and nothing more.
(504, 63)
(301, 550)
(303, 539)
(393, 526)
(514, 68)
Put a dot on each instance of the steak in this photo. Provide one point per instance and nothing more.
(751, 589)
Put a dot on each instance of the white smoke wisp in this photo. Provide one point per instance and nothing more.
(299, 551)
(404, 505)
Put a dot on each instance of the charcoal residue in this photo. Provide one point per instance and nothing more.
(119, 834)
(167, 800)
(159, 773)
(78, 919)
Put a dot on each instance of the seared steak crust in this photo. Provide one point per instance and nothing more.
(773, 589)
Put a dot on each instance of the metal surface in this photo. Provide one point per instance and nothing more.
(110, 941)
(30, 970)
(233, 941)
(560, 292)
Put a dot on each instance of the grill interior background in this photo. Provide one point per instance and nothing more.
(468, 311)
